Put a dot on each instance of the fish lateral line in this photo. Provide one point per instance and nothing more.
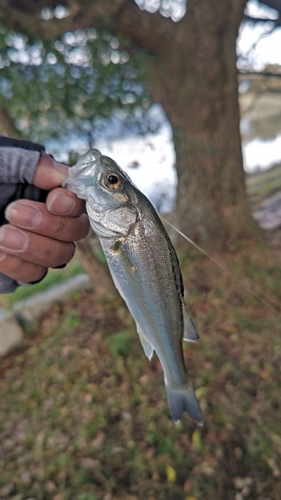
(221, 266)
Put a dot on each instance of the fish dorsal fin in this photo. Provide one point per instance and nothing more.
(147, 347)
(190, 333)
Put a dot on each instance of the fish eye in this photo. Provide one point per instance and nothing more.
(113, 181)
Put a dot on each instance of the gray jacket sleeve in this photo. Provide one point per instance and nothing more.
(18, 163)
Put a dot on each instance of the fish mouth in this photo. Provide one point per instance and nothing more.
(80, 176)
(75, 186)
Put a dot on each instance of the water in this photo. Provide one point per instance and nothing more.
(149, 160)
(259, 154)
(261, 123)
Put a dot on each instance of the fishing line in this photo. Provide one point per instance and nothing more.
(249, 290)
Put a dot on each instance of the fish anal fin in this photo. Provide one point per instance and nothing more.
(190, 333)
(147, 347)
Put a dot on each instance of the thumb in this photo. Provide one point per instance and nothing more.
(50, 173)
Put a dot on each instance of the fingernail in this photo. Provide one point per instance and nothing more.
(2, 255)
(61, 204)
(13, 239)
(23, 215)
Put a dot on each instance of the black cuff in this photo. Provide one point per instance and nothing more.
(10, 142)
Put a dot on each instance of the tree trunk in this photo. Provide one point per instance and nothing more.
(101, 278)
(195, 80)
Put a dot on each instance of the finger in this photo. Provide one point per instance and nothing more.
(35, 248)
(62, 202)
(49, 173)
(34, 216)
(19, 269)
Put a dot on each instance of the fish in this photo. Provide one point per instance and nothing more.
(144, 267)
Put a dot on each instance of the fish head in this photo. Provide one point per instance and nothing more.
(111, 198)
(100, 181)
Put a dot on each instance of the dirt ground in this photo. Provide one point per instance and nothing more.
(83, 413)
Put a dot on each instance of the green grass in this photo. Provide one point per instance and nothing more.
(53, 277)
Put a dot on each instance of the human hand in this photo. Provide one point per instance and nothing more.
(41, 235)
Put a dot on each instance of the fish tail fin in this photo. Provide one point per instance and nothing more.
(183, 399)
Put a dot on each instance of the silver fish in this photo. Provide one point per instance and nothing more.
(144, 267)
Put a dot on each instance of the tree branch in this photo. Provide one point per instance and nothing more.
(123, 16)
(135, 23)
(19, 16)
(7, 125)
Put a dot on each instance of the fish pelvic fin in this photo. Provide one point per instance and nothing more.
(147, 346)
(182, 399)
(190, 333)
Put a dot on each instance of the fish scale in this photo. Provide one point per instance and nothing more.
(144, 267)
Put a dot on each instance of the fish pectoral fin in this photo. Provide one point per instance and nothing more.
(147, 347)
(190, 333)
